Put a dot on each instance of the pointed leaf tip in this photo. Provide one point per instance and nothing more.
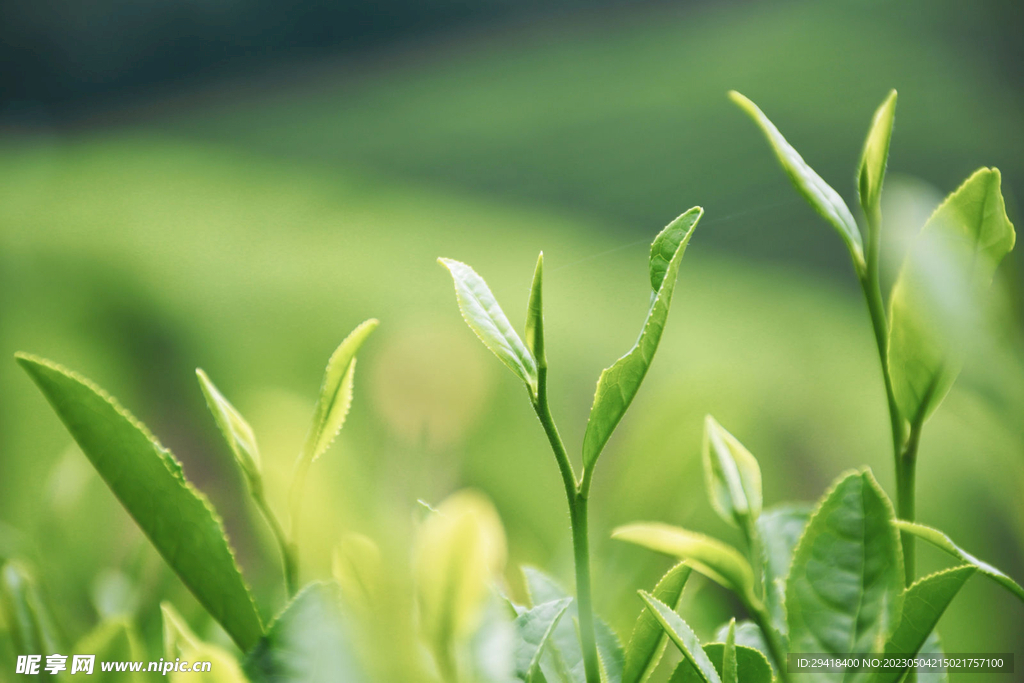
(236, 431)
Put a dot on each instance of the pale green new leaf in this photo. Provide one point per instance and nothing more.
(732, 477)
(709, 556)
(116, 640)
(751, 664)
(683, 637)
(871, 173)
(181, 643)
(29, 623)
(609, 652)
(935, 300)
(816, 191)
(484, 316)
(941, 540)
(780, 529)
(648, 641)
(535, 316)
(309, 642)
(533, 629)
(335, 397)
(845, 588)
(619, 383)
(235, 429)
(149, 482)
(923, 603)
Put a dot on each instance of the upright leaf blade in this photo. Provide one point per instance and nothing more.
(309, 642)
(683, 637)
(619, 383)
(236, 431)
(534, 629)
(149, 482)
(941, 540)
(871, 172)
(923, 604)
(729, 671)
(535, 316)
(732, 476)
(748, 636)
(934, 301)
(711, 557)
(845, 588)
(484, 316)
(335, 397)
(648, 641)
(816, 191)
(751, 665)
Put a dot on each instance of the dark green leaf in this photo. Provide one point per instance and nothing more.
(816, 191)
(845, 588)
(941, 540)
(535, 316)
(309, 642)
(871, 173)
(732, 477)
(648, 641)
(684, 638)
(751, 664)
(149, 482)
(533, 629)
(618, 384)
(235, 429)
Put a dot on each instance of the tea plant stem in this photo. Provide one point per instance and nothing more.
(288, 561)
(906, 475)
(577, 499)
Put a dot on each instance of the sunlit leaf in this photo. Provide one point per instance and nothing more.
(533, 629)
(845, 588)
(484, 316)
(235, 429)
(535, 316)
(937, 295)
(732, 477)
(941, 540)
(684, 638)
(871, 172)
(181, 643)
(149, 482)
(711, 557)
(751, 664)
(648, 641)
(619, 383)
(309, 642)
(816, 191)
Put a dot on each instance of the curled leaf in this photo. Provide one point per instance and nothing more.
(732, 476)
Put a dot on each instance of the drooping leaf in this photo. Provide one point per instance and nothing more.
(711, 557)
(941, 540)
(181, 643)
(149, 482)
(29, 622)
(816, 191)
(751, 664)
(484, 316)
(732, 477)
(335, 397)
(845, 588)
(923, 604)
(458, 552)
(619, 383)
(871, 172)
(683, 637)
(535, 316)
(237, 432)
(309, 642)
(648, 641)
(533, 629)
(935, 300)
(780, 529)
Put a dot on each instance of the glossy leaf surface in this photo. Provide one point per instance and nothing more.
(648, 640)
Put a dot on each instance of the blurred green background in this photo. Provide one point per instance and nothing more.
(237, 193)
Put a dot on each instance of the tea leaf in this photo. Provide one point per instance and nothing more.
(711, 557)
(149, 482)
(648, 641)
(780, 529)
(235, 429)
(748, 636)
(816, 191)
(114, 640)
(335, 397)
(683, 637)
(181, 642)
(941, 540)
(931, 649)
(751, 664)
(871, 173)
(535, 316)
(961, 244)
(732, 477)
(29, 623)
(484, 316)
(728, 670)
(619, 383)
(609, 652)
(845, 588)
(923, 604)
(309, 642)
(534, 628)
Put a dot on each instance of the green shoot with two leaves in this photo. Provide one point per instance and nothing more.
(616, 387)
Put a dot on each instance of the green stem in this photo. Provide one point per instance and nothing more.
(576, 496)
(906, 473)
(289, 559)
